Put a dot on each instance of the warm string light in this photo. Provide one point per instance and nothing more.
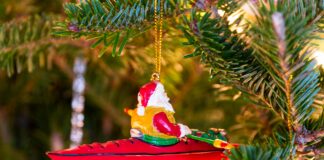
(319, 58)
(248, 11)
(77, 119)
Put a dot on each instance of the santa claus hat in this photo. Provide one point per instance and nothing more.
(153, 94)
(147, 91)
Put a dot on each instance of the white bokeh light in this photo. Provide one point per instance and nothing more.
(319, 57)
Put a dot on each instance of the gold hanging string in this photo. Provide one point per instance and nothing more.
(158, 28)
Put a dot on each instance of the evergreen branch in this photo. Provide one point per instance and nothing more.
(229, 60)
(269, 152)
(319, 101)
(27, 43)
(21, 41)
(287, 52)
(271, 66)
(113, 23)
(279, 26)
(24, 32)
(309, 139)
(291, 62)
(271, 149)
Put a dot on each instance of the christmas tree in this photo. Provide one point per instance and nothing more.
(266, 52)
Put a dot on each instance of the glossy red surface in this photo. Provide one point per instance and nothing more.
(163, 125)
(135, 149)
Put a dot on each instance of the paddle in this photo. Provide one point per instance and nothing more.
(218, 143)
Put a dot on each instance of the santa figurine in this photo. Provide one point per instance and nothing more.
(155, 135)
(153, 120)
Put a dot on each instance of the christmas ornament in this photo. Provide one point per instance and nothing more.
(154, 133)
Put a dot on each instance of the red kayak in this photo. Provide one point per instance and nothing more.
(135, 149)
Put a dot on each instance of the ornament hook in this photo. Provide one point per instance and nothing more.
(155, 77)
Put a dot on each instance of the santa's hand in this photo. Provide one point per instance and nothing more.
(185, 130)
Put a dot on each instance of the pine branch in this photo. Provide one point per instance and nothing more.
(289, 63)
(275, 66)
(26, 43)
(310, 137)
(113, 23)
(276, 147)
(255, 152)
(225, 53)
(286, 53)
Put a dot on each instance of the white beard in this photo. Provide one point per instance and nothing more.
(160, 99)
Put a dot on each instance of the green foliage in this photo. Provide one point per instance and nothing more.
(271, 61)
(270, 148)
(25, 43)
(229, 59)
(256, 152)
(287, 62)
(315, 124)
(273, 65)
(112, 23)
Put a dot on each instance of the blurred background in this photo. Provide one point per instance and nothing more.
(35, 106)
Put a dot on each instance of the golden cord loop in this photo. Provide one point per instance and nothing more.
(155, 77)
(158, 26)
